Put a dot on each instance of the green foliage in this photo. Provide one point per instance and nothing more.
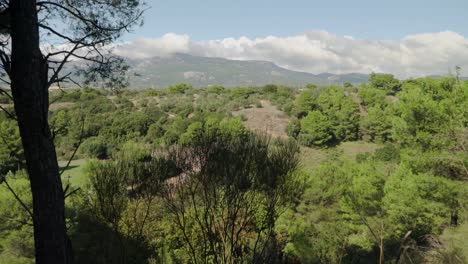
(430, 114)
(335, 119)
(376, 126)
(345, 205)
(347, 85)
(97, 105)
(232, 128)
(59, 123)
(130, 124)
(418, 203)
(216, 89)
(179, 88)
(176, 128)
(414, 181)
(71, 95)
(385, 82)
(16, 233)
(270, 88)
(447, 164)
(341, 111)
(283, 98)
(194, 131)
(11, 148)
(314, 230)
(388, 153)
(95, 147)
(226, 172)
(305, 103)
(371, 96)
(226, 128)
(241, 92)
(155, 131)
(123, 102)
(109, 198)
(364, 192)
(294, 128)
(316, 129)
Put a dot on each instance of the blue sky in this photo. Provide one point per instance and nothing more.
(408, 38)
(365, 19)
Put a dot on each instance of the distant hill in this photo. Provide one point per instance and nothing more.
(204, 71)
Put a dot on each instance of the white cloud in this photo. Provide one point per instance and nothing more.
(321, 51)
(149, 47)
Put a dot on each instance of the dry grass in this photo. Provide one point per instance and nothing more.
(267, 119)
(457, 237)
(52, 107)
(311, 158)
(59, 106)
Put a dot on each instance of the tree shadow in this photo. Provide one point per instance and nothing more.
(96, 242)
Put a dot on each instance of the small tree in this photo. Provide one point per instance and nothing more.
(372, 96)
(376, 126)
(385, 82)
(229, 195)
(361, 204)
(341, 111)
(305, 102)
(431, 114)
(179, 88)
(316, 129)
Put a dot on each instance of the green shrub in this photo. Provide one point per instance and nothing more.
(389, 152)
(294, 128)
(316, 130)
(95, 147)
(179, 88)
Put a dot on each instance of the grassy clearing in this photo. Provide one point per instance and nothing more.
(312, 157)
(74, 173)
(352, 149)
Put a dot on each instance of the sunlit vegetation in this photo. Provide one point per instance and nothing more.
(361, 174)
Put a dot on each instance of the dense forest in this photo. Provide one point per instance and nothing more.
(370, 173)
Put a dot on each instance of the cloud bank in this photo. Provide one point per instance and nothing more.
(321, 51)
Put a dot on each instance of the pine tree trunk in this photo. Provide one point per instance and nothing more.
(30, 93)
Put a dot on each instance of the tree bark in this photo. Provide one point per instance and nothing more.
(30, 93)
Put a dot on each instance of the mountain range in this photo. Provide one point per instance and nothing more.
(159, 72)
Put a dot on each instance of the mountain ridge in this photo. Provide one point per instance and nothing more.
(158, 72)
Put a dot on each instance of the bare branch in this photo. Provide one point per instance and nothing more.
(18, 199)
(72, 192)
(2, 91)
(53, 78)
(57, 33)
(76, 149)
(93, 23)
(9, 114)
(5, 59)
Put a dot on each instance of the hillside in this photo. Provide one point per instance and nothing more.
(204, 71)
(336, 161)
